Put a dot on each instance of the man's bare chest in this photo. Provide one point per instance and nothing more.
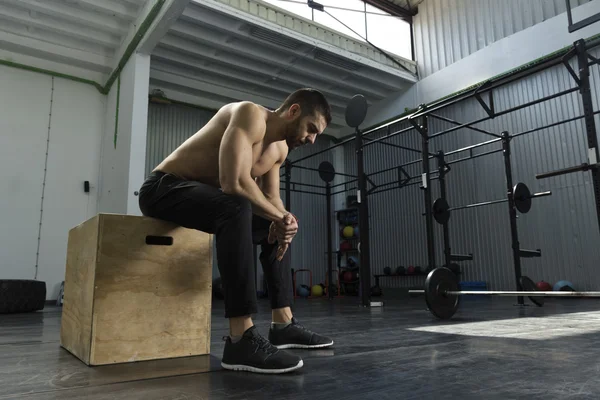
(264, 158)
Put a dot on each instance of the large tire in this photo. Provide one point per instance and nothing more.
(21, 296)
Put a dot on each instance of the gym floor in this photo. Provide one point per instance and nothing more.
(490, 349)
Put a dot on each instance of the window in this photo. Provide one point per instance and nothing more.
(357, 20)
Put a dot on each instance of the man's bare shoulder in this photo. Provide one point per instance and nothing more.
(283, 151)
(248, 112)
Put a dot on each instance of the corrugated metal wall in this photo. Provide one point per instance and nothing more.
(564, 225)
(171, 125)
(309, 248)
(446, 31)
(168, 127)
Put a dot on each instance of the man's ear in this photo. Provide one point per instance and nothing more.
(294, 110)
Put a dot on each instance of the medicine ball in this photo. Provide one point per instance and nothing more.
(348, 231)
(317, 290)
(400, 270)
(544, 286)
(303, 291)
(347, 276)
(418, 270)
(410, 270)
(345, 246)
(352, 261)
(356, 233)
(564, 286)
(387, 271)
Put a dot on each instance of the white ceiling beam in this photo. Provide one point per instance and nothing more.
(212, 88)
(210, 103)
(54, 52)
(264, 91)
(283, 60)
(44, 22)
(251, 78)
(168, 15)
(134, 3)
(255, 20)
(132, 32)
(65, 13)
(172, 91)
(233, 94)
(111, 8)
(198, 56)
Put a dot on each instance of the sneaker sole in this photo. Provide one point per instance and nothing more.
(261, 370)
(303, 346)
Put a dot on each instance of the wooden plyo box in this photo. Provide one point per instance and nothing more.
(136, 288)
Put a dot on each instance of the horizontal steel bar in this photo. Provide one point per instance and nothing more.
(305, 184)
(323, 151)
(459, 127)
(461, 257)
(501, 81)
(473, 146)
(468, 127)
(394, 183)
(395, 145)
(551, 125)
(511, 293)
(318, 170)
(568, 170)
(474, 156)
(396, 167)
(388, 136)
(406, 164)
(344, 183)
(305, 191)
(541, 100)
(484, 203)
(433, 178)
(344, 191)
(519, 107)
(530, 253)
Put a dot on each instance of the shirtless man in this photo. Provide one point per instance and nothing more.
(225, 180)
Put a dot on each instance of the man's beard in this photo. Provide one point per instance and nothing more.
(293, 135)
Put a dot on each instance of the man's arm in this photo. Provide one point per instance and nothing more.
(269, 183)
(247, 126)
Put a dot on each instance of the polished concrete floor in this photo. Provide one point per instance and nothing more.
(491, 349)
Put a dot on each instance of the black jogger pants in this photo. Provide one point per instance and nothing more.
(203, 207)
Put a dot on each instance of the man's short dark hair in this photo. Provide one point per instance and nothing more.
(311, 101)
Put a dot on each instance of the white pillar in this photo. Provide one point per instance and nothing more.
(122, 164)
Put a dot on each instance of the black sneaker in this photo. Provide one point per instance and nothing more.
(255, 354)
(295, 336)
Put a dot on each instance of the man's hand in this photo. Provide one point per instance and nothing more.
(283, 232)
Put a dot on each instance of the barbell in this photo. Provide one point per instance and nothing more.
(521, 195)
(442, 292)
